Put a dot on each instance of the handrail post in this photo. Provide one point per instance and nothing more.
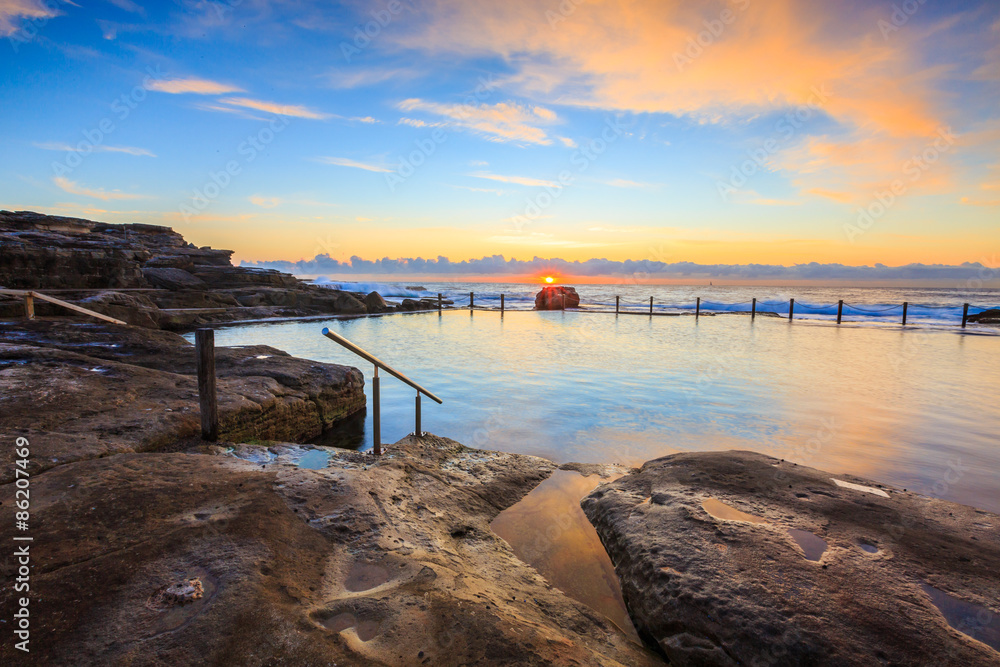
(617, 302)
(965, 314)
(417, 432)
(791, 309)
(376, 416)
(840, 311)
(205, 350)
(905, 305)
(439, 302)
(650, 305)
(29, 305)
(501, 303)
(753, 310)
(697, 307)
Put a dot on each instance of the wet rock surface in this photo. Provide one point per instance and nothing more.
(80, 390)
(360, 562)
(814, 572)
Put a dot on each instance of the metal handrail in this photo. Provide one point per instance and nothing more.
(376, 404)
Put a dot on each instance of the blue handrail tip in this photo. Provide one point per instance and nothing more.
(325, 331)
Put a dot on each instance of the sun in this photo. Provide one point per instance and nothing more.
(549, 279)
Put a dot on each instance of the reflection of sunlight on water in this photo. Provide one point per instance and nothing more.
(901, 407)
(549, 530)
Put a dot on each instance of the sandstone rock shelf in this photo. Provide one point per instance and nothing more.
(804, 568)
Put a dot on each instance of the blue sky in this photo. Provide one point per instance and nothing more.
(714, 132)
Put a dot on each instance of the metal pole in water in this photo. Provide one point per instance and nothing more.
(204, 340)
(472, 300)
(697, 308)
(753, 310)
(791, 309)
(417, 432)
(905, 305)
(617, 299)
(650, 305)
(501, 302)
(439, 301)
(840, 310)
(376, 416)
(965, 314)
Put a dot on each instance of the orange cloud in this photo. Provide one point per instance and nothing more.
(76, 189)
(504, 121)
(718, 62)
(193, 85)
(278, 109)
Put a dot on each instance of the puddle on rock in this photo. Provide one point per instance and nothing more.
(869, 548)
(721, 510)
(860, 487)
(968, 618)
(548, 530)
(812, 545)
(366, 630)
(365, 576)
(314, 459)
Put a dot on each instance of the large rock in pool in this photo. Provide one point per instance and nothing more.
(556, 297)
(735, 558)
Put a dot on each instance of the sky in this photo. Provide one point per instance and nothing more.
(722, 133)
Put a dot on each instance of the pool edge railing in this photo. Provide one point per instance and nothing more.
(376, 407)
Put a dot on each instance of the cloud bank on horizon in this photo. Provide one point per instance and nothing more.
(971, 275)
(785, 132)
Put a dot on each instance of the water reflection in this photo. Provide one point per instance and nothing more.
(914, 408)
(548, 529)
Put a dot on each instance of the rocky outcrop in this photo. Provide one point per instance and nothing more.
(81, 390)
(171, 283)
(989, 316)
(735, 558)
(375, 303)
(557, 297)
(205, 558)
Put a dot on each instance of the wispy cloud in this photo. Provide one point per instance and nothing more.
(73, 188)
(412, 122)
(12, 11)
(347, 162)
(99, 148)
(567, 142)
(264, 202)
(625, 183)
(502, 122)
(491, 191)
(294, 110)
(359, 78)
(519, 180)
(193, 85)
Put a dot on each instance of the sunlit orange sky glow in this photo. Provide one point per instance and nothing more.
(732, 132)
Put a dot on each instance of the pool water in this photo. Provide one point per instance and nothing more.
(917, 408)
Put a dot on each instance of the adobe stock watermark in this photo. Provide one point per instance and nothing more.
(581, 159)
(47, 10)
(785, 129)
(913, 170)
(408, 164)
(366, 32)
(218, 181)
(901, 14)
(93, 138)
(714, 28)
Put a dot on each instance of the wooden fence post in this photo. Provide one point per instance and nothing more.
(753, 310)
(472, 300)
(905, 305)
(439, 302)
(791, 309)
(205, 349)
(965, 314)
(697, 308)
(650, 305)
(840, 310)
(501, 302)
(617, 301)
